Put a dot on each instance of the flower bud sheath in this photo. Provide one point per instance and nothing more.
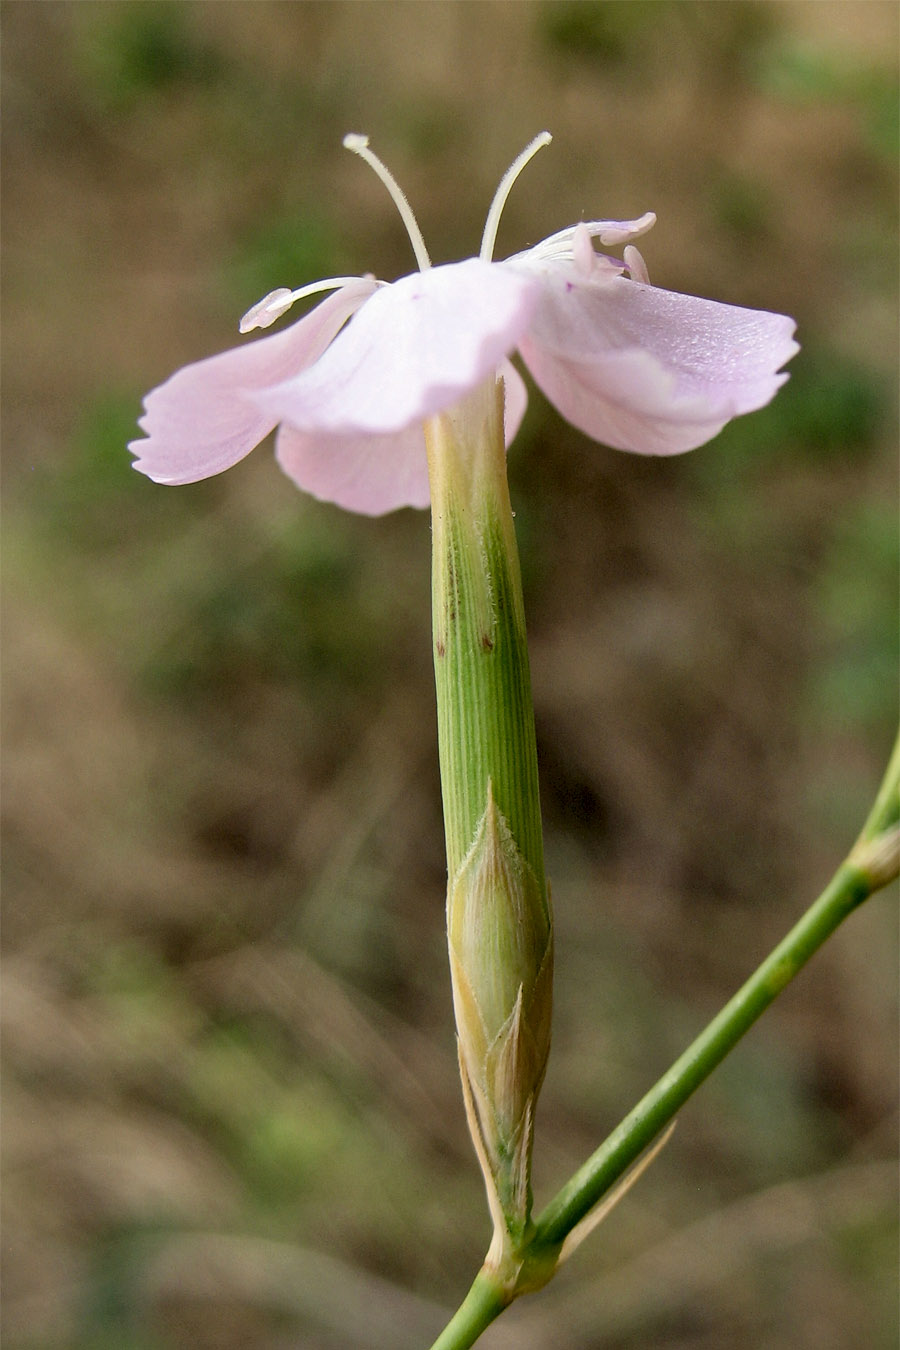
(498, 910)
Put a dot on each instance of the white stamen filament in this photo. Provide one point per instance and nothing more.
(360, 146)
(271, 307)
(489, 238)
(583, 255)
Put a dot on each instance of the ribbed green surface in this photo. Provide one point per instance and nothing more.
(485, 719)
(485, 716)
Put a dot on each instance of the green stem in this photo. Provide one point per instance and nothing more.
(483, 1303)
(872, 864)
(886, 807)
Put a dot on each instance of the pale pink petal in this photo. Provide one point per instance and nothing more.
(515, 401)
(648, 370)
(627, 401)
(375, 474)
(368, 474)
(416, 348)
(202, 421)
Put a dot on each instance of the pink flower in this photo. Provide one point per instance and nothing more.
(633, 366)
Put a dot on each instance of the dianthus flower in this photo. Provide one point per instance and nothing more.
(388, 395)
(633, 366)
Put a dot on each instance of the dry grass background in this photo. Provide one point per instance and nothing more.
(231, 1110)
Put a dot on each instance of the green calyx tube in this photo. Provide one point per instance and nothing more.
(498, 907)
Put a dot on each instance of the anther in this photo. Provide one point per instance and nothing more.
(267, 310)
(634, 261)
(271, 307)
(619, 232)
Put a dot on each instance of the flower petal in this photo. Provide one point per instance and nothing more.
(648, 370)
(201, 420)
(416, 348)
(375, 474)
(368, 474)
(515, 401)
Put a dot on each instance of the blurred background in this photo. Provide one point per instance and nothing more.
(232, 1116)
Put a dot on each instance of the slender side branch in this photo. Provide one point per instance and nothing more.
(849, 887)
(886, 807)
